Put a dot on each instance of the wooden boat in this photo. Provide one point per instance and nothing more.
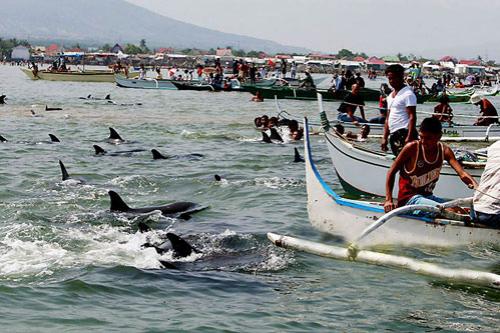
(453, 98)
(180, 85)
(333, 214)
(457, 131)
(148, 83)
(86, 76)
(305, 94)
(363, 171)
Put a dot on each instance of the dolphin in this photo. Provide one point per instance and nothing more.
(100, 151)
(114, 137)
(266, 138)
(64, 172)
(178, 209)
(157, 155)
(297, 157)
(65, 175)
(180, 248)
(2, 99)
(52, 109)
(275, 135)
(2, 139)
(217, 178)
(54, 138)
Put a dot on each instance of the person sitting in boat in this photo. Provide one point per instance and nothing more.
(296, 133)
(443, 111)
(487, 111)
(348, 107)
(258, 97)
(381, 117)
(486, 201)
(419, 166)
(142, 72)
(158, 74)
(308, 82)
(400, 126)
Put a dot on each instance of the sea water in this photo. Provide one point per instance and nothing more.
(68, 264)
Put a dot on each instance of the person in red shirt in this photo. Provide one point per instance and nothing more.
(487, 111)
(419, 166)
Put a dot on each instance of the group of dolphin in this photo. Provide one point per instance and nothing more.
(183, 210)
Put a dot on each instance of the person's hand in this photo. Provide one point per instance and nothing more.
(470, 181)
(383, 145)
(389, 205)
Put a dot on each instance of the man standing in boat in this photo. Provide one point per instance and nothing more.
(351, 102)
(400, 125)
(419, 166)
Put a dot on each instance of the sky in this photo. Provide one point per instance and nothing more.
(429, 28)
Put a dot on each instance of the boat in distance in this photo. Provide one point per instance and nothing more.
(148, 83)
(74, 76)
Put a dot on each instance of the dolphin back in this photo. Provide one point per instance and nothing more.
(113, 134)
(117, 203)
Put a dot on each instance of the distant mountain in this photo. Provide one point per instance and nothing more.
(109, 21)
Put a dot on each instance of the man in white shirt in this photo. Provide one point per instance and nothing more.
(487, 197)
(400, 125)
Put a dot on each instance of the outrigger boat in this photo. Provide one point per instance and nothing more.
(147, 83)
(333, 214)
(193, 86)
(84, 76)
(353, 219)
(287, 92)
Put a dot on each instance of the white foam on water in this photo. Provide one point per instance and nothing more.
(277, 182)
(77, 247)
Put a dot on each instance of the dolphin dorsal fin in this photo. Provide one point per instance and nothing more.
(297, 157)
(180, 246)
(98, 150)
(117, 203)
(108, 96)
(157, 155)
(64, 172)
(113, 134)
(54, 138)
(89, 96)
(2, 139)
(266, 137)
(275, 135)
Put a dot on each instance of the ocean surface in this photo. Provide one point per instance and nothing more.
(68, 264)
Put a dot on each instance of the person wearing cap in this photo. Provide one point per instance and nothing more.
(486, 200)
(487, 111)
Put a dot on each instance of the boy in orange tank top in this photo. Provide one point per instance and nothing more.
(419, 165)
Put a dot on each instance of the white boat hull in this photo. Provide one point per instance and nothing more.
(332, 214)
(124, 82)
(453, 132)
(365, 172)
